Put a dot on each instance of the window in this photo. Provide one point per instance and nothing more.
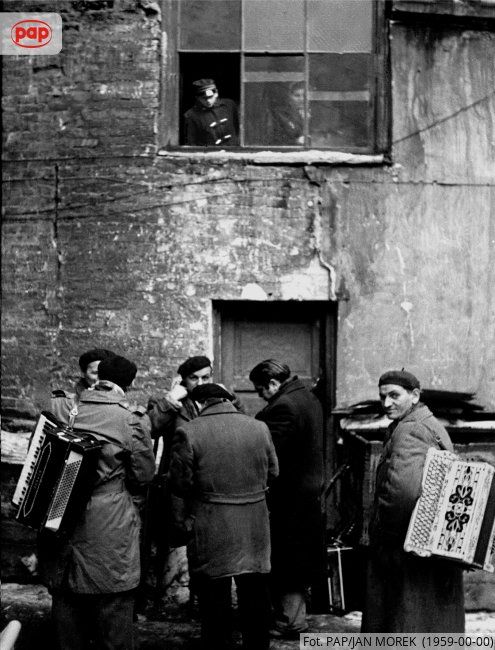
(303, 74)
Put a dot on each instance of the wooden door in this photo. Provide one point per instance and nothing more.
(295, 333)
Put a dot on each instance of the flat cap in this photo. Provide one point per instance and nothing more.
(204, 87)
(399, 378)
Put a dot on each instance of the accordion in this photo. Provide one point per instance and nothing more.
(57, 477)
(454, 518)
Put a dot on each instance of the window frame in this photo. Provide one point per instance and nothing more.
(169, 117)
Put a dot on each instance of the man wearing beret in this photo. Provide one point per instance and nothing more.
(92, 572)
(88, 363)
(212, 121)
(167, 414)
(177, 406)
(405, 593)
(221, 463)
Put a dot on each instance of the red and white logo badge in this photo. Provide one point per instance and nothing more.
(31, 34)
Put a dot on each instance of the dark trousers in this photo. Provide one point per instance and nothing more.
(97, 621)
(215, 606)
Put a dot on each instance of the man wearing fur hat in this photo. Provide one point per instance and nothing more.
(405, 593)
(221, 463)
(212, 121)
(92, 573)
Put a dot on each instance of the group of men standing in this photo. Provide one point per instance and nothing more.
(244, 494)
(251, 497)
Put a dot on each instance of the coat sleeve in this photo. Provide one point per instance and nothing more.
(193, 135)
(141, 466)
(162, 416)
(281, 421)
(402, 486)
(181, 471)
(60, 407)
(272, 459)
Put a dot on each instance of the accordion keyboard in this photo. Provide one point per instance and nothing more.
(34, 450)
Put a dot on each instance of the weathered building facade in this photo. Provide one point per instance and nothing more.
(111, 239)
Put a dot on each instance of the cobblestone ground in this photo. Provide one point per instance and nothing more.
(169, 628)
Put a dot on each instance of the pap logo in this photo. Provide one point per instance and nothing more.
(31, 33)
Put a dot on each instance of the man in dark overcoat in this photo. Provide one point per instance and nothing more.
(405, 593)
(295, 419)
(93, 572)
(221, 463)
(168, 412)
(213, 121)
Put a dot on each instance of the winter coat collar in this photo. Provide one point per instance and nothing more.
(288, 386)
(218, 407)
(104, 395)
(219, 102)
(418, 413)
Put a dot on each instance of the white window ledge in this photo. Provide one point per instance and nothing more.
(309, 157)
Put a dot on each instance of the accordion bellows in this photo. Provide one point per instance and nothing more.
(454, 517)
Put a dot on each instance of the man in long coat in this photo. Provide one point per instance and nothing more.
(405, 593)
(294, 416)
(221, 463)
(92, 573)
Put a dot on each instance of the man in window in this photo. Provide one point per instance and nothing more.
(287, 116)
(212, 121)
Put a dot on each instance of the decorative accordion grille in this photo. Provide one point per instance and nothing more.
(64, 490)
(459, 509)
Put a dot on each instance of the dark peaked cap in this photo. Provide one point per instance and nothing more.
(210, 391)
(201, 85)
(400, 378)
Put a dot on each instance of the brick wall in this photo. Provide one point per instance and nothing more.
(106, 243)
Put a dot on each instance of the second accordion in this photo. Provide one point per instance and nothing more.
(58, 476)
(454, 518)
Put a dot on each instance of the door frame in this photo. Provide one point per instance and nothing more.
(327, 311)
